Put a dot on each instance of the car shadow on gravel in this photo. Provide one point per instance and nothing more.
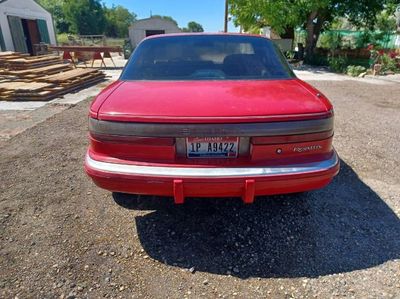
(343, 227)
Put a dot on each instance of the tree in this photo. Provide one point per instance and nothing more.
(313, 15)
(253, 15)
(193, 27)
(118, 21)
(385, 22)
(85, 16)
(55, 7)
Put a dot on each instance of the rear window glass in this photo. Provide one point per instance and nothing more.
(206, 57)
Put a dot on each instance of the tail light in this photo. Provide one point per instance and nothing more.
(291, 138)
(132, 147)
(155, 141)
(279, 148)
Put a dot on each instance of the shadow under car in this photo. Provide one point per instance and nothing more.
(344, 227)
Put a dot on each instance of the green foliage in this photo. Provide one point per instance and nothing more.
(56, 8)
(368, 37)
(280, 14)
(338, 64)
(385, 21)
(193, 27)
(365, 62)
(391, 6)
(85, 16)
(289, 54)
(318, 60)
(341, 23)
(115, 42)
(62, 38)
(331, 40)
(355, 70)
(89, 17)
(363, 40)
(118, 21)
(388, 63)
(358, 12)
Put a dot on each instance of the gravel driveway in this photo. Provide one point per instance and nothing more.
(61, 236)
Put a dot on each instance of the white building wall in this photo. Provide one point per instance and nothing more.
(25, 9)
(137, 31)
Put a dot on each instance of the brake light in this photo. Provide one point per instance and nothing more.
(156, 141)
(291, 138)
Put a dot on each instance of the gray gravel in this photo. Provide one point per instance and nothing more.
(61, 236)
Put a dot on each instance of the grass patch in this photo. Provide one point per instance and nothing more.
(115, 41)
(62, 38)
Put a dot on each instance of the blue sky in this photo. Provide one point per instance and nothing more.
(209, 13)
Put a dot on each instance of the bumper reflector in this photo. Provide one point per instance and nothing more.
(179, 198)
(249, 189)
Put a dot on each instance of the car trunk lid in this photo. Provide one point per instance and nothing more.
(213, 101)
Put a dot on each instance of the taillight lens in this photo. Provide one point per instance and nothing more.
(156, 141)
(291, 138)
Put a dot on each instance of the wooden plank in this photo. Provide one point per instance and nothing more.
(116, 49)
(7, 53)
(50, 69)
(35, 59)
(25, 62)
(30, 66)
(23, 86)
(68, 75)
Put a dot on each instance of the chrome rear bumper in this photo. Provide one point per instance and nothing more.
(208, 172)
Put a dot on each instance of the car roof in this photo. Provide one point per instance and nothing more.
(206, 34)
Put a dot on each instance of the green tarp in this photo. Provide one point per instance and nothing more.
(388, 40)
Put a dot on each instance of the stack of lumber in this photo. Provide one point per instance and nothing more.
(37, 72)
(32, 62)
(6, 56)
(41, 78)
(12, 91)
(73, 80)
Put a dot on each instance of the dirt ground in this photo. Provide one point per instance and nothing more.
(62, 237)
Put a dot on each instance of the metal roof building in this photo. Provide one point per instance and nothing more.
(150, 26)
(24, 23)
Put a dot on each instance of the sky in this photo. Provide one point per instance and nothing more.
(209, 13)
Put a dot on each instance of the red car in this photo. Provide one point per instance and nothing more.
(210, 115)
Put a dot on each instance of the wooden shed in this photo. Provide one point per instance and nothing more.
(24, 23)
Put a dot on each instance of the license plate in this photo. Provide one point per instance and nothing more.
(212, 147)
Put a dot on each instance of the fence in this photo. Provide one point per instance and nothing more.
(353, 39)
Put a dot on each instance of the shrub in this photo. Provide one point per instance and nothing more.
(289, 54)
(317, 60)
(338, 64)
(62, 38)
(355, 70)
(386, 60)
(363, 39)
(388, 63)
(331, 40)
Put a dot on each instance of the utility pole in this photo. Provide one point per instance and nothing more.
(226, 17)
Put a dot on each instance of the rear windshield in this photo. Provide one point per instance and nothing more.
(206, 57)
